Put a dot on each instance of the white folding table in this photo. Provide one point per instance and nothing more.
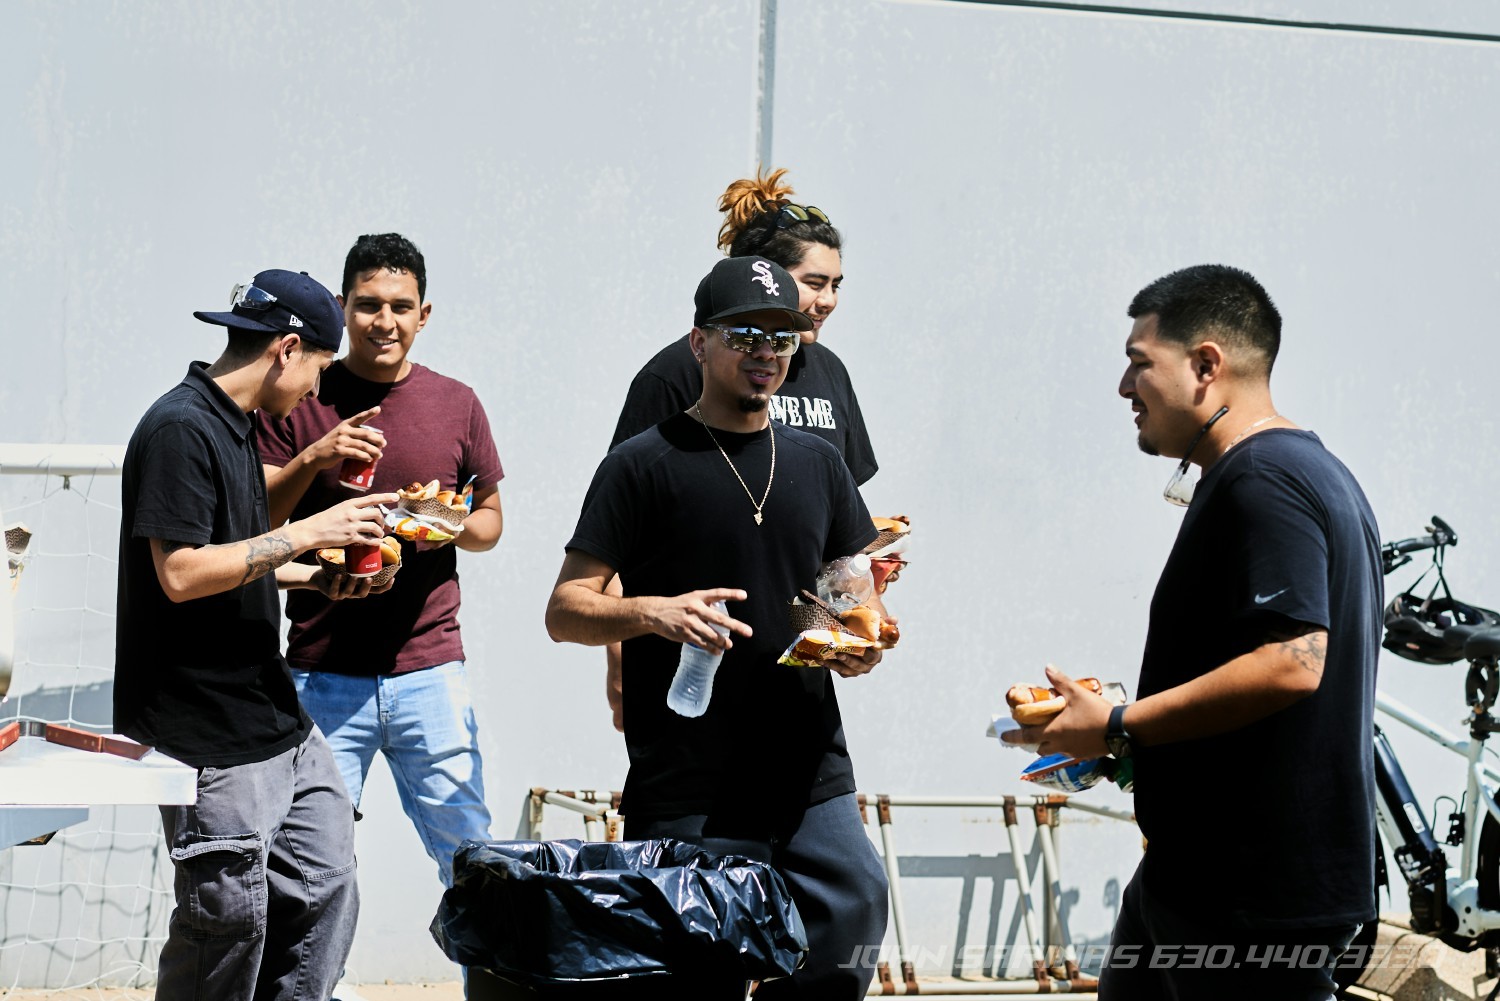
(45, 787)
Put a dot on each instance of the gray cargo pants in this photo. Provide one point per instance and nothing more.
(266, 896)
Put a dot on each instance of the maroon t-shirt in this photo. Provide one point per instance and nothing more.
(434, 428)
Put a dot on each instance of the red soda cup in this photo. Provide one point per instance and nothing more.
(358, 474)
(362, 559)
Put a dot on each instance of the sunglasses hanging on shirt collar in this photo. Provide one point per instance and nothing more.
(1179, 489)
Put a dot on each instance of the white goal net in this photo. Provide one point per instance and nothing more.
(89, 907)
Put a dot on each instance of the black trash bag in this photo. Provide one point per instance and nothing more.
(548, 912)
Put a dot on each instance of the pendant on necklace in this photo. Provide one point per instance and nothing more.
(757, 517)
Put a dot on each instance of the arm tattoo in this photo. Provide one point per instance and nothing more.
(1308, 650)
(169, 546)
(266, 554)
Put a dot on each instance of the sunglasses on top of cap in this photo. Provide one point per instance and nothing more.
(791, 215)
(747, 339)
(246, 296)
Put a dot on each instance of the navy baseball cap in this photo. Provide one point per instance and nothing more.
(746, 285)
(284, 302)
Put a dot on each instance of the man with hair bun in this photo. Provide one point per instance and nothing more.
(1257, 684)
(390, 676)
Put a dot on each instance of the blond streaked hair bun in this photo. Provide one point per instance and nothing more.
(749, 198)
(753, 223)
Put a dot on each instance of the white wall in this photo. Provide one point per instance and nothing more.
(1006, 179)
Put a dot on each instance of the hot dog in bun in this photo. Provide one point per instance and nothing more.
(427, 500)
(1031, 706)
(390, 556)
(864, 621)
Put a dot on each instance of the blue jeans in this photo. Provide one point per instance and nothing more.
(423, 722)
(266, 897)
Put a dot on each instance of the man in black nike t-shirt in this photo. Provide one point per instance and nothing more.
(1251, 739)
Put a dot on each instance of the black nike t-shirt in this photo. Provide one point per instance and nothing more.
(668, 514)
(817, 396)
(1271, 825)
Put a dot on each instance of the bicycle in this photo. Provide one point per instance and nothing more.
(1460, 907)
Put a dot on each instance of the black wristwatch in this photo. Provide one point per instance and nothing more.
(1116, 737)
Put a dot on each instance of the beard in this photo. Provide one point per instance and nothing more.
(1147, 446)
(754, 403)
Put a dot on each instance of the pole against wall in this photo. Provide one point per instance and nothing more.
(765, 84)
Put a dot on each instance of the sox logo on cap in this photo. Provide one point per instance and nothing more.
(763, 275)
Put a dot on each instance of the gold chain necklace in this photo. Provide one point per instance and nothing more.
(1240, 437)
(770, 426)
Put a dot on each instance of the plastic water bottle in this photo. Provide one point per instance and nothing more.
(694, 683)
(846, 582)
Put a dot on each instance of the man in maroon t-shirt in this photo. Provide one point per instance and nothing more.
(389, 675)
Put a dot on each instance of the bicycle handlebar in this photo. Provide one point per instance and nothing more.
(1394, 554)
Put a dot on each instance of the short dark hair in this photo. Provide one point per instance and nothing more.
(391, 251)
(247, 345)
(1212, 300)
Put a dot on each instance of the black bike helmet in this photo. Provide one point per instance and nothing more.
(1414, 627)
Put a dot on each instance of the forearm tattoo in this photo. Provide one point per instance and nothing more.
(266, 554)
(1308, 650)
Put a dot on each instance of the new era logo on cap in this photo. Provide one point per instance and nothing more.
(284, 302)
(746, 285)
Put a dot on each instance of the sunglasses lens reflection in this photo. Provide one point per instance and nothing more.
(783, 342)
(1179, 489)
(247, 296)
(790, 215)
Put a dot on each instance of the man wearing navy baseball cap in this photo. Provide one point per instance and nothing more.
(198, 668)
(284, 302)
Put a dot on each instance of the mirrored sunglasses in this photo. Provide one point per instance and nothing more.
(791, 215)
(246, 296)
(747, 339)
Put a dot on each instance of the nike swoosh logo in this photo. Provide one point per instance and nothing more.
(1262, 600)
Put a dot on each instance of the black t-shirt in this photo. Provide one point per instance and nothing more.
(816, 396)
(1271, 825)
(667, 513)
(204, 680)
